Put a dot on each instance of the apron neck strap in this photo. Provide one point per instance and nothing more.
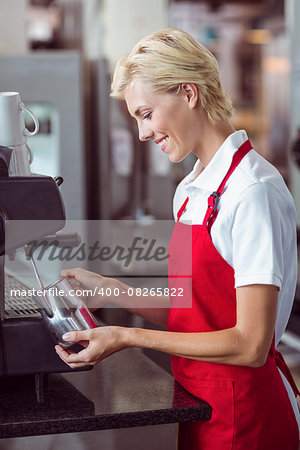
(214, 198)
(182, 209)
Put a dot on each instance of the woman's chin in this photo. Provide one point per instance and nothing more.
(175, 158)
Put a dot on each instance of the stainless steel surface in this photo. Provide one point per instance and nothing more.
(36, 272)
(17, 306)
(41, 301)
(68, 312)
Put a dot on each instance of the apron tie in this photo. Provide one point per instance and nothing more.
(281, 364)
(182, 209)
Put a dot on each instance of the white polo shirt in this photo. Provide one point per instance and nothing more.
(255, 229)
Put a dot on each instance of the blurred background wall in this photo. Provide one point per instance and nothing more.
(60, 55)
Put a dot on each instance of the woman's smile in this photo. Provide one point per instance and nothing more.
(163, 142)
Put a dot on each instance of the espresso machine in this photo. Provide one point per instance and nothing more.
(31, 208)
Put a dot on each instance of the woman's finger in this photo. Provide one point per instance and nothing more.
(78, 336)
(74, 359)
(70, 273)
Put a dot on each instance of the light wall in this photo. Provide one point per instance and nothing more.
(127, 21)
(13, 26)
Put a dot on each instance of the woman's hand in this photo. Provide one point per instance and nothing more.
(98, 342)
(85, 281)
(99, 286)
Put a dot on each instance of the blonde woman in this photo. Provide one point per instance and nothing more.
(244, 262)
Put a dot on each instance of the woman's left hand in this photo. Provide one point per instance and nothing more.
(98, 343)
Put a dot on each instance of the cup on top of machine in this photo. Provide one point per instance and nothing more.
(14, 134)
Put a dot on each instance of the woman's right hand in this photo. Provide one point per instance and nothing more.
(91, 286)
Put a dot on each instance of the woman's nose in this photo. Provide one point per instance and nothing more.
(144, 133)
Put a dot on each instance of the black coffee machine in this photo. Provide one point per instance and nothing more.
(26, 346)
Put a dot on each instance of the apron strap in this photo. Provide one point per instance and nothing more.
(179, 214)
(213, 199)
(281, 364)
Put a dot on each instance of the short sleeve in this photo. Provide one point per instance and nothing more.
(260, 229)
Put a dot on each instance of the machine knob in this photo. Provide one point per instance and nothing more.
(58, 180)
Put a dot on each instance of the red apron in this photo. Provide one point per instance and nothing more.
(250, 406)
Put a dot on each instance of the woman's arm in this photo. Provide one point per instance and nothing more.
(126, 298)
(246, 344)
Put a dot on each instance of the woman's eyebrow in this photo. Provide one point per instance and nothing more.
(138, 110)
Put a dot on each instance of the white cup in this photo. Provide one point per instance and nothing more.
(13, 132)
(12, 126)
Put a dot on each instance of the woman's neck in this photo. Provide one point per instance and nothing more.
(211, 139)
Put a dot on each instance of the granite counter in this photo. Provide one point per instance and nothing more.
(125, 390)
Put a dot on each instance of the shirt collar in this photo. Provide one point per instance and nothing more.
(211, 177)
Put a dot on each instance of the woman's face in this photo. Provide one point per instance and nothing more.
(166, 118)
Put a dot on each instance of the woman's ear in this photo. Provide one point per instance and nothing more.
(191, 94)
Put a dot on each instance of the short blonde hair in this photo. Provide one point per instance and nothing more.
(167, 58)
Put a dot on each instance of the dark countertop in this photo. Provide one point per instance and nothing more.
(125, 390)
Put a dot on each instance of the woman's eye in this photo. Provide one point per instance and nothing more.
(147, 115)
